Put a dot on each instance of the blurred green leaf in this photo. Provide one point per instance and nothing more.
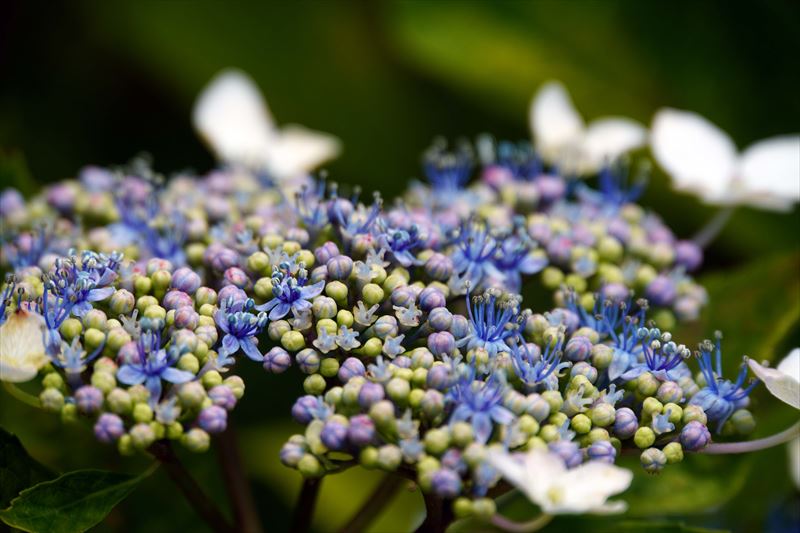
(341, 494)
(18, 470)
(14, 172)
(73, 502)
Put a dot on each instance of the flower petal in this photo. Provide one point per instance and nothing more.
(250, 349)
(783, 386)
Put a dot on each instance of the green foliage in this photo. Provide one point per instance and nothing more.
(18, 470)
(73, 502)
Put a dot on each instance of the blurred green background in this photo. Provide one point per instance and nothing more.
(99, 82)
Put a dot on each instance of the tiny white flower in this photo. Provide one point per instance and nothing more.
(233, 118)
(546, 481)
(562, 137)
(21, 347)
(702, 159)
(784, 380)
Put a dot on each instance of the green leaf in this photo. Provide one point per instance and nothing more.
(18, 470)
(73, 502)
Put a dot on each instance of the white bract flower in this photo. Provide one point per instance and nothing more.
(544, 478)
(562, 137)
(784, 380)
(21, 347)
(702, 159)
(233, 118)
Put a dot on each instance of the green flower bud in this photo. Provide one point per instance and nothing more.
(71, 328)
(645, 275)
(557, 419)
(155, 312)
(673, 452)
(345, 318)
(93, 338)
(119, 401)
(194, 253)
(191, 395)
(372, 294)
(647, 385)
(463, 434)
(598, 434)
(474, 454)
(158, 429)
(675, 412)
(553, 399)
(576, 282)
(330, 326)
(373, 347)
(389, 457)
(589, 333)
(271, 241)
(189, 362)
(293, 341)
(338, 291)
(258, 263)
(397, 390)
(652, 406)
(415, 398)
(211, 379)
(602, 356)
(603, 414)
(484, 508)
(196, 440)
(329, 367)
(277, 329)
(369, 457)
(69, 413)
(122, 302)
(314, 384)
(142, 285)
(52, 400)
(291, 247)
(436, 441)
(105, 381)
(552, 278)
(694, 412)
(609, 249)
(174, 431)
(54, 380)
(350, 391)
(549, 433)
(206, 310)
(143, 302)
(117, 338)
(142, 413)
(125, 445)
(743, 422)
(528, 425)
(462, 507)
(95, 318)
(204, 320)
(324, 307)
(263, 289)
(382, 413)
(581, 424)
(419, 378)
(644, 437)
(138, 393)
(142, 436)
(392, 282)
(478, 357)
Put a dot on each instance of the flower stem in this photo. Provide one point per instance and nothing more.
(506, 524)
(754, 445)
(713, 227)
(438, 515)
(245, 515)
(21, 395)
(202, 504)
(304, 510)
(374, 504)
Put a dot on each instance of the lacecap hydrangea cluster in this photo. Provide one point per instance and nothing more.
(133, 299)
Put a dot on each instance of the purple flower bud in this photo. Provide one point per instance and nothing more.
(625, 423)
(584, 369)
(213, 419)
(89, 399)
(619, 229)
(339, 267)
(441, 343)
(351, 367)
(661, 291)
(432, 403)
(334, 435)
(440, 319)
(453, 460)
(369, 394)
(128, 354)
(695, 436)
(231, 293)
(402, 361)
(291, 453)
(108, 428)
(616, 292)
(299, 235)
(688, 255)
(206, 295)
(446, 483)
(439, 267)
(578, 349)
(430, 298)
(551, 188)
(324, 253)
(361, 431)
(61, 196)
(236, 276)
(157, 263)
(277, 360)
(460, 326)
(602, 450)
(438, 377)
(385, 326)
(308, 360)
(560, 250)
(568, 450)
(223, 259)
(208, 334)
(175, 299)
(186, 280)
(223, 396)
(303, 408)
(403, 296)
(186, 317)
(10, 201)
(669, 391)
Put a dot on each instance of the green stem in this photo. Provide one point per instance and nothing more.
(245, 514)
(21, 395)
(306, 501)
(754, 445)
(713, 227)
(506, 524)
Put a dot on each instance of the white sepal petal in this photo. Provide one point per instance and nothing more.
(21, 347)
(782, 382)
(556, 126)
(608, 138)
(297, 149)
(770, 173)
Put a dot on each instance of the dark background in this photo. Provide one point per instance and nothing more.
(99, 82)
